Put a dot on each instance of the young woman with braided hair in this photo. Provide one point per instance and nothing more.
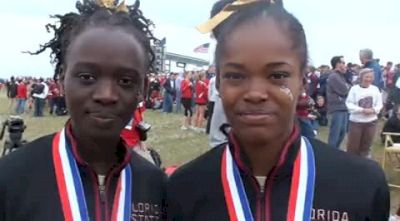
(86, 171)
(267, 171)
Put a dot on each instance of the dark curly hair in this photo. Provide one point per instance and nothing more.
(90, 13)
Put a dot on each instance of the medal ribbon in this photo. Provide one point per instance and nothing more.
(301, 191)
(70, 187)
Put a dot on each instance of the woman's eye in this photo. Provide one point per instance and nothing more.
(87, 77)
(126, 81)
(234, 76)
(279, 75)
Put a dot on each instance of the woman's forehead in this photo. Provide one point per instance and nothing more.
(101, 43)
(261, 37)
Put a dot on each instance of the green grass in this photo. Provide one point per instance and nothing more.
(174, 145)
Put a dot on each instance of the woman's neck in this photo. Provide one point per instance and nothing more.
(100, 154)
(364, 85)
(264, 155)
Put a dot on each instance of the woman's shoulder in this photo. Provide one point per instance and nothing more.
(201, 168)
(375, 89)
(354, 88)
(29, 151)
(347, 166)
(34, 156)
(142, 166)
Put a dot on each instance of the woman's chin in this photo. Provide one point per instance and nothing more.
(258, 134)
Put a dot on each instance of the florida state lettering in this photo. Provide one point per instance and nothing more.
(329, 215)
(146, 212)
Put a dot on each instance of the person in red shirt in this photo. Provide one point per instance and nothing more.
(187, 95)
(388, 75)
(201, 101)
(304, 115)
(134, 134)
(130, 134)
(54, 96)
(22, 96)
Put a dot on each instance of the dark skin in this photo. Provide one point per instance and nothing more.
(257, 62)
(102, 78)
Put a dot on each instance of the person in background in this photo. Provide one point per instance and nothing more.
(323, 79)
(135, 134)
(364, 103)
(396, 73)
(393, 98)
(178, 97)
(212, 97)
(219, 124)
(320, 108)
(40, 93)
(388, 75)
(337, 90)
(349, 75)
(313, 82)
(60, 102)
(367, 59)
(388, 79)
(154, 99)
(304, 117)
(201, 99)
(11, 91)
(355, 69)
(31, 100)
(54, 97)
(169, 93)
(154, 84)
(22, 96)
(392, 125)
(187, 94)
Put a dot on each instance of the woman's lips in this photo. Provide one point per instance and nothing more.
(102, 119)
(256, 118)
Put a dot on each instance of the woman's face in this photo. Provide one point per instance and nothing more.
(102, 77)
(397, 113)
(188, 76)
(367, 79)
(260, 80)
(320, 101)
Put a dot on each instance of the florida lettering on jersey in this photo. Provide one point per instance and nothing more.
(329, 215)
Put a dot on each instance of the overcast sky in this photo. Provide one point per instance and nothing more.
(333, 27)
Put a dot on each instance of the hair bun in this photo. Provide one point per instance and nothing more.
(221, 4)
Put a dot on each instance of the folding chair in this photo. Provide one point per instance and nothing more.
(391, 151)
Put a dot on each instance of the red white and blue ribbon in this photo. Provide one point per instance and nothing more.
(122, 199)
(70, 187)
(301, 192)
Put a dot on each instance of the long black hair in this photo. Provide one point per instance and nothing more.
(90, 14)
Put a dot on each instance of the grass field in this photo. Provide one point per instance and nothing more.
(175, 146)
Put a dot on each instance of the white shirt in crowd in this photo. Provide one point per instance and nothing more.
(216, 136)
(212, 90)
(360, 98)
(45, 92)
(178, 81)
